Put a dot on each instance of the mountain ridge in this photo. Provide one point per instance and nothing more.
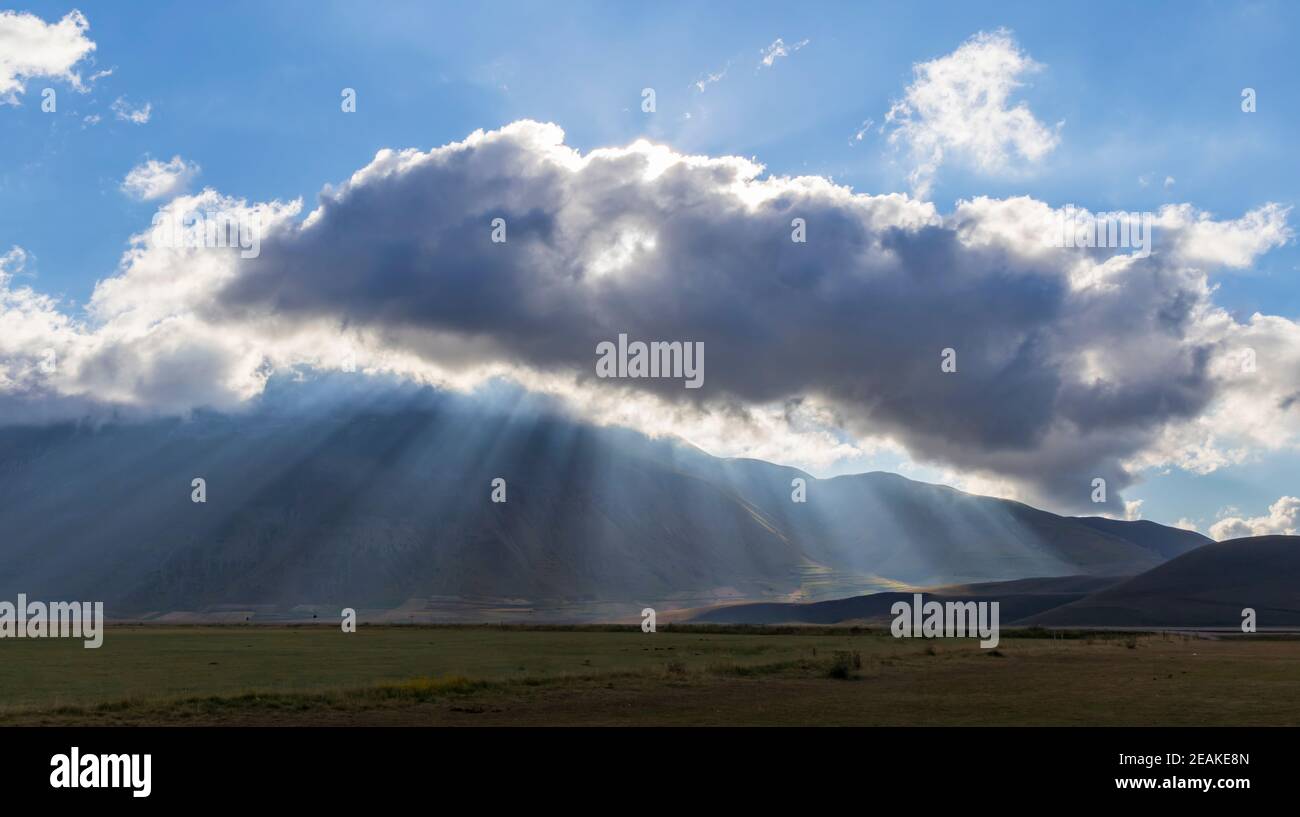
(1210, 586)
(375, 503)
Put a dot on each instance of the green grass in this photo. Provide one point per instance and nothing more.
(149, 662)
(437, 675)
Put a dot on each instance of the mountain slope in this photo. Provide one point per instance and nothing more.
(1207, 587)
(371, 503)
(886, 525)
(1016, 599)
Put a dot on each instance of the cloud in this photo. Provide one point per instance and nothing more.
(1203, 241)
(1283, 519)
(778, 49)
(14, 262)
(862, 131)
(31, 49)
(1133, 509)
(1071, 363)
(959, 106)
(708, 79)
(125, 113)
(1146, 178)
(157, 180)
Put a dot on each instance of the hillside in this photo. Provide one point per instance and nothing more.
(376, 502)
(1207, 587)
(1017, 599)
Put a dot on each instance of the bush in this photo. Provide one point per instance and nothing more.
(844, 664)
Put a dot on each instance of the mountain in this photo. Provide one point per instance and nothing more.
(1017, 599)
(885, 525)
(1207, 587)
(383, 500)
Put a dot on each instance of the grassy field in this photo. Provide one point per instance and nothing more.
(492, 675)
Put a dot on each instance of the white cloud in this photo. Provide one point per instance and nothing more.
(959, 106)
(126, 113)
(1203, 241)
(157, 180)
(31, 49)
(1256, 406)
(1283, 519)
(778, 49)
(1133, 509)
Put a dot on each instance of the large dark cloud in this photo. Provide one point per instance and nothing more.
(1069, 362)
(858, 315)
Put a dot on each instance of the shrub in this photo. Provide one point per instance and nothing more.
(843, 664)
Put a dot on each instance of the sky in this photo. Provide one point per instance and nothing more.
(922, 143)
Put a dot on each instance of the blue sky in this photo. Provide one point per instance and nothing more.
(250, 92)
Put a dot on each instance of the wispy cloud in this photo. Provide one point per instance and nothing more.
(862, 131)
(126, 113)
(709, 79)
(778, 49)
(959, 106)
